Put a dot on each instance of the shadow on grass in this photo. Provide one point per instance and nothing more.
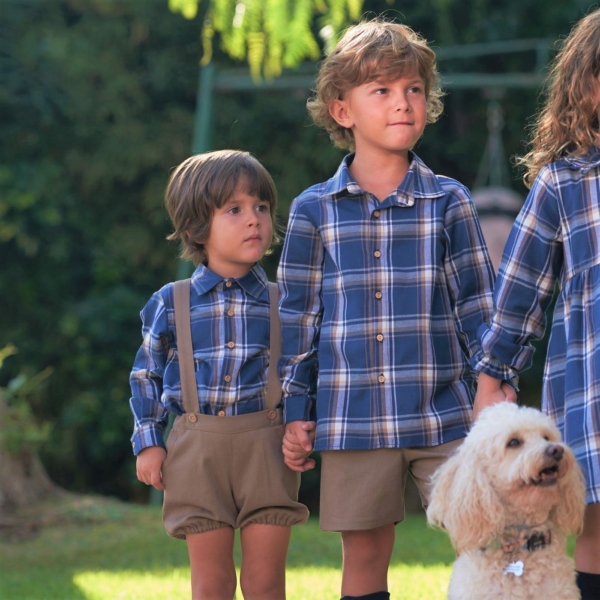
(416, 543)
(87, 536)
(119, 538)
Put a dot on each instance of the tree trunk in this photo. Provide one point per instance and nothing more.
(23, 481)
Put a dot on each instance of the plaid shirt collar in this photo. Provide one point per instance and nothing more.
(253, 282)
(584, 162)
(419, 182)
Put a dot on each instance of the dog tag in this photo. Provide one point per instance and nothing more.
(516, 568)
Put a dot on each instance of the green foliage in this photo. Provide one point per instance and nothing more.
(270, 34)
(97, 103)
(20, 430)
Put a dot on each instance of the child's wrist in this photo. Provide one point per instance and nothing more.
(486, 384)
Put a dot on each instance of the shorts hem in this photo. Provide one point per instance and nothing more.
(289, 522)
(362, 526)
(199, 528)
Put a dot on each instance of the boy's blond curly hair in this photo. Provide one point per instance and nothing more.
(368, 51)
(204, 182)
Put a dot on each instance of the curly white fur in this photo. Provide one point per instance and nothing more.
(511, 473)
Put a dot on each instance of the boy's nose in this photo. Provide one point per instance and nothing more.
(401, 103)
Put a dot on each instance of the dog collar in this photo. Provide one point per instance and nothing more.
(521, 538)
(517, 539)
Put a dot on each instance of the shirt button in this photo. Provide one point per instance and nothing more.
(231, 344)
(379, 337)
(378, 295)
(377, 254)
(230, 312)
(376, 214)
(227, 378)
(381, 379)
(193, 418)
(228, 284)
(221, 413)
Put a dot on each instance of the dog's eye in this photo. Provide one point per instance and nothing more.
(546, 438)
(514, 443)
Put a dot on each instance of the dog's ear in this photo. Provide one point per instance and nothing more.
(463, 500)
(568, 514)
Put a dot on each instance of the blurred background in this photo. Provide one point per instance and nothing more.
(100, 99)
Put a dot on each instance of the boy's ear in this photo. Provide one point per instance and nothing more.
(338, 109)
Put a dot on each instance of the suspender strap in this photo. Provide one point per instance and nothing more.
(274, 385)
(183, 333)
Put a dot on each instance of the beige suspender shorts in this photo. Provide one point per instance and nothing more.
(226, 471)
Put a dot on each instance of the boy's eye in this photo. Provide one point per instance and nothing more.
(381, 90)
(234, 210)
(262, 208)
(416, 89)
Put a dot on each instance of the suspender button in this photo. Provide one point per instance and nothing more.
(193, 418)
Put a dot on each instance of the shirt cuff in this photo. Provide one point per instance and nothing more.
(297, 408)
(146, 437)
(485, 364)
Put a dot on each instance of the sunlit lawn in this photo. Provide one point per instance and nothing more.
(122, 552)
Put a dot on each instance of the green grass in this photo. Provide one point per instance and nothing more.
(112, 551)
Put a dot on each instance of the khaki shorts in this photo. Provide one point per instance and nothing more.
(228, 472)
(364, 489)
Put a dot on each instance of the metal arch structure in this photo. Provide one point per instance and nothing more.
(213, 81)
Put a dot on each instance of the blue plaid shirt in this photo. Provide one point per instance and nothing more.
(556, 238)
(384, 300)
(230, 337)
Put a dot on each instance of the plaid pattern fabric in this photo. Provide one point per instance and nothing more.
(230, 336)
(384, 299)
(556, 238)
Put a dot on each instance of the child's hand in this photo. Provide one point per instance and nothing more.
(491, 391)
(298, 444)
(149, 464)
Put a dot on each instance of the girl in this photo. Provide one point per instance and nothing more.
(556, 238)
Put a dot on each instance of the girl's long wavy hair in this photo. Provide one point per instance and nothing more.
(568, 121)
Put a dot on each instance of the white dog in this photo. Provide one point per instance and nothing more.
(508, 498)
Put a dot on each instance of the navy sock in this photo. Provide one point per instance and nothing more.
(374, 596)
(589, 585)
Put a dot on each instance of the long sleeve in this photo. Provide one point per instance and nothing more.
(299, 278)
(146, 380)
(469, 272)
(531, 264)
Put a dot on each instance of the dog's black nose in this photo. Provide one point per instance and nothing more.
(555, 452)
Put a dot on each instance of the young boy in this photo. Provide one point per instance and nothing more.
(384, 280)
(222, 468)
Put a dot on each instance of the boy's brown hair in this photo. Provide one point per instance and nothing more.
(368, 51)
(204, 182)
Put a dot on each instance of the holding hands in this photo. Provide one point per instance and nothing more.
(298, 444)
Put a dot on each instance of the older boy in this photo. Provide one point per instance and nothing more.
(384, 280)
